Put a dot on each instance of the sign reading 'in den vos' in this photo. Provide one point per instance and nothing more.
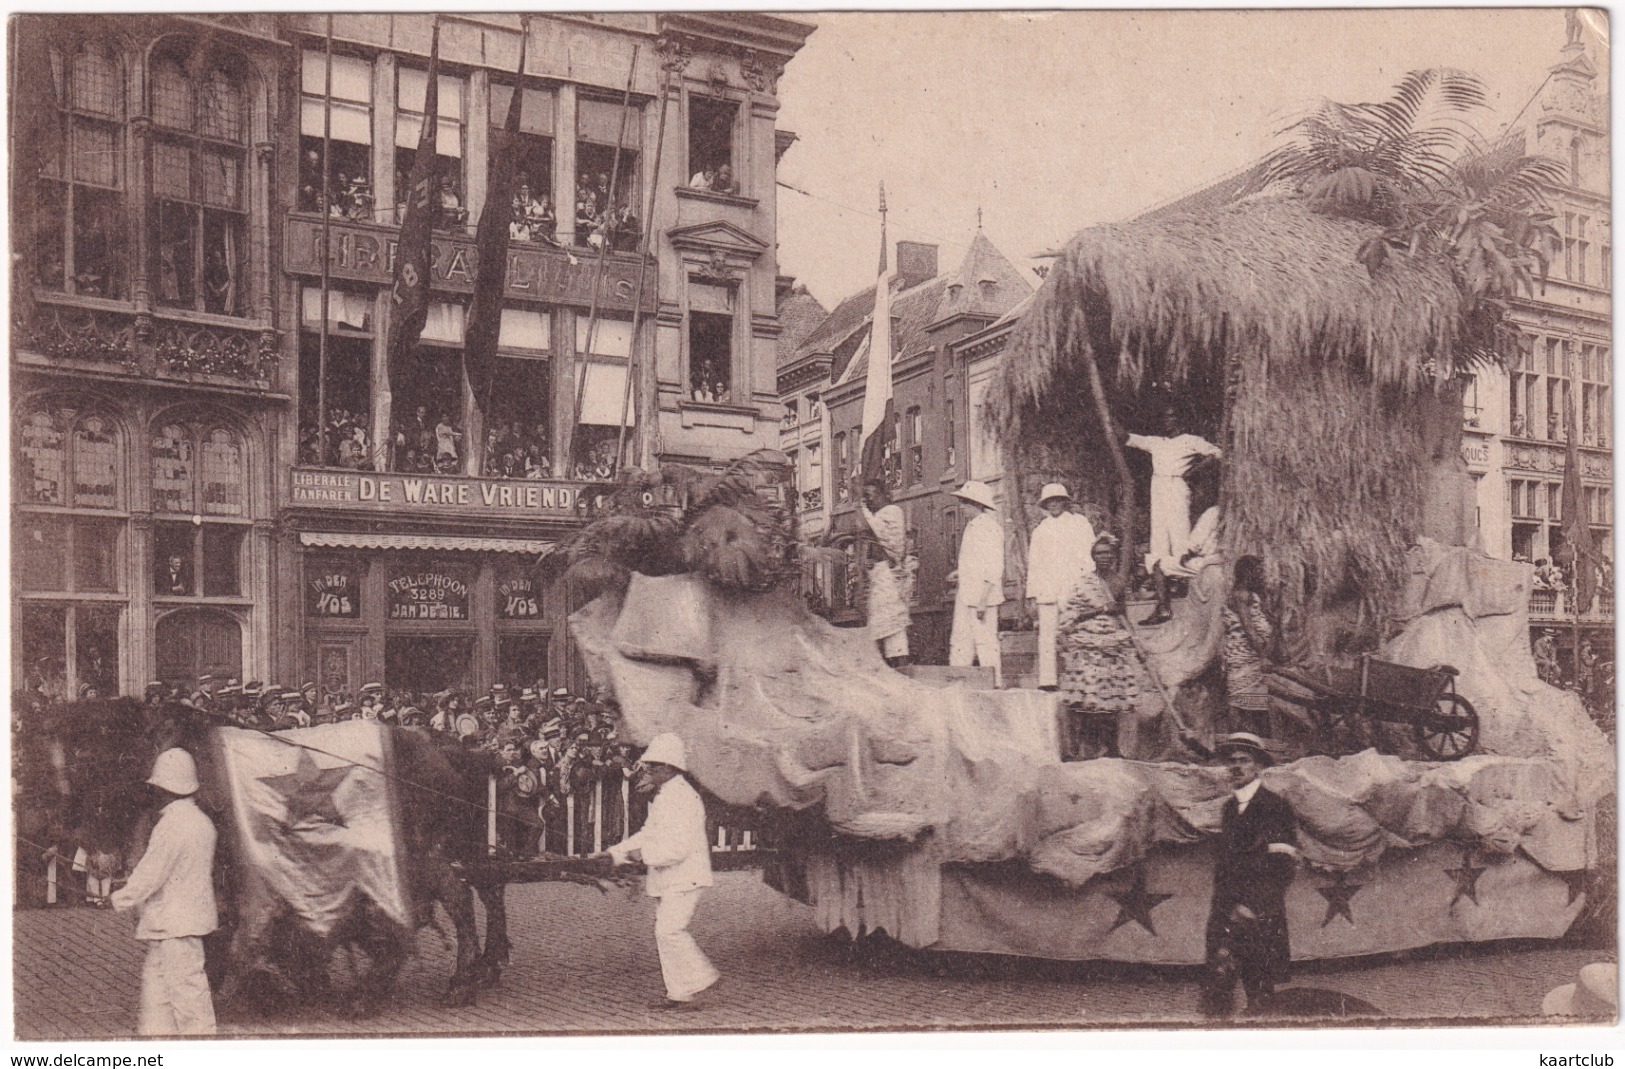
(436, 495)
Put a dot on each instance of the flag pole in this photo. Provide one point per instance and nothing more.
(584, 360)
(643, 269)
(327, 230)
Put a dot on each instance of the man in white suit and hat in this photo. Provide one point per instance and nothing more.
(980, 575)
(172, 891)
(1060, 555)
(674, 848)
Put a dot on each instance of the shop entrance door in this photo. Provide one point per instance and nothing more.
(427, 664)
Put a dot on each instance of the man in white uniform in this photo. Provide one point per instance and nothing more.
(1173, 456)
(173, 889)
(673, 846)
(1060, 554)
(975, 637)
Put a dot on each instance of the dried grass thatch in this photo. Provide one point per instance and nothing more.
(1318, 377)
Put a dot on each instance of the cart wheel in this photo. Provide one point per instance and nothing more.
(1450, 731)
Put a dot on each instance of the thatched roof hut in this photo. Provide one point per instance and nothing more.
(1329, 387)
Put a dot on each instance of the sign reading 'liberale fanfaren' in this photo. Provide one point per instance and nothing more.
(436, 495)
(364, 253)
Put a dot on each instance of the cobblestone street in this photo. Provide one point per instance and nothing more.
(584, 962)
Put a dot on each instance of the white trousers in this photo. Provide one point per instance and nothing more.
(1049, 655)
(175, 999)
(975, 641)
(683, 965)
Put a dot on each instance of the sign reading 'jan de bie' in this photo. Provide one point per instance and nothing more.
(367, 254)
(438, 495)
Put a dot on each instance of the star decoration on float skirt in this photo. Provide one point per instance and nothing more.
(307, 793)
(1135, 904)
(1339, 896)
(1466, 879)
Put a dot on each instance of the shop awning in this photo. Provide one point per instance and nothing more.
(455, 543)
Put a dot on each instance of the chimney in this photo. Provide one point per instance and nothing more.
(916, 263)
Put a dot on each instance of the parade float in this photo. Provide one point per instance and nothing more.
(944, 815)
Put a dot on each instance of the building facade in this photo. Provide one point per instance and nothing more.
(1516, 432)
(937, 438)
(147, 381)
(212, 384)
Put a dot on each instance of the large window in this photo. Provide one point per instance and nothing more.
(66, 535)
(410, 87)
(427, 406)
(711, 157)
(598, 123)
(350, 192)
(80, 234)
(710, 343)
(605, 401)
(348, 396)
(198, 477)
(199, 159)
(535, 208)
(518, 411)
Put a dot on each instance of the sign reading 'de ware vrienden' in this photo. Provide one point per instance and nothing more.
(438, 495)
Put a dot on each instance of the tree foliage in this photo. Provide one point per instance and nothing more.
(1414, 165)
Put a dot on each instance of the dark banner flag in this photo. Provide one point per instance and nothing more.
(409, 299)
(1576, 519)
(491, 245)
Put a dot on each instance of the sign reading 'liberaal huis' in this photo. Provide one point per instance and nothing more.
(363, 253)
(436, 495)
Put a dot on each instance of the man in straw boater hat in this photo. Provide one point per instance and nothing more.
(172, 890)
(1060, 554)
(1247, 936)
(1173, 457)
(980, 575)
(674, 847)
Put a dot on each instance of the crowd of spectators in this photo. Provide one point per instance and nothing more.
(598, 222)
(428, 443)
(513, 451)
(348, 443)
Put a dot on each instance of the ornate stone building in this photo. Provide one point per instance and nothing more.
(1516, 433)
(240, 486)
(148, 379)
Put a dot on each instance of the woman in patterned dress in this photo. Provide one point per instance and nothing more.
(1249, 638)
(1102, 677)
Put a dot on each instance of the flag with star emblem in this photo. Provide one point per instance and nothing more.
(315, 818)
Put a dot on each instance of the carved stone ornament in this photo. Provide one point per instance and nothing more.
(761, 72)
(674, 54)
(718, 269)
(265, 150)
(718, 76)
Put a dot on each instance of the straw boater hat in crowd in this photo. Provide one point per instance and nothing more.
(1245, 742)
(977, 493)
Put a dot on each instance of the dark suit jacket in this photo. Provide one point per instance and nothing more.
(1247, 874)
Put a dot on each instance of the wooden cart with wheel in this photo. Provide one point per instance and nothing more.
(1350, 703)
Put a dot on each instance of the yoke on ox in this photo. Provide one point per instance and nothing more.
(347, 835)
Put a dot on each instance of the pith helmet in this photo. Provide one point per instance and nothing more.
(175, 772)
(667, 749)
